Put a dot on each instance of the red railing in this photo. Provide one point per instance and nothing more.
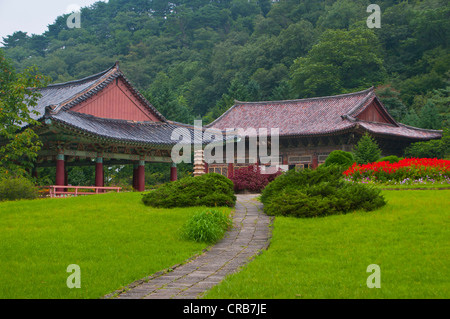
(60, 190)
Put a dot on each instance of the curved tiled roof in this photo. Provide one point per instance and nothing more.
(57, 100)
(316, 116)
(63, 96)
(153, 133)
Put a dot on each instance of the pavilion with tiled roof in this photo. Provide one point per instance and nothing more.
(102, 118)
(309, 129)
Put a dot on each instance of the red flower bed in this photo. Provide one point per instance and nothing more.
(412, 168)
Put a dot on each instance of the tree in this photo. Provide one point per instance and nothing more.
(431, 149)
(341, 61)
(429, 117)
(19, 144)
(367, 150)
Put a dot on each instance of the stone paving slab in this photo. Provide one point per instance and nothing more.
(250, 235)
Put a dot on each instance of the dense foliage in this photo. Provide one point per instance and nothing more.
(340, 158)
(18, 145)
(390, 159)
(408, 169)
(207, 226)
(366, 150)
(320, 192)
(206, 190)
(15, 188)
(251, 179)
(193, 58)
(434, 148)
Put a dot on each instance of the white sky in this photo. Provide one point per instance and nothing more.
(33, 16)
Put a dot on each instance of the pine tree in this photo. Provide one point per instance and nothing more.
(367, 150)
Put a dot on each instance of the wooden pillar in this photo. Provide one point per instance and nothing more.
(315, 161)
(173, 172)
(206, 168)
(141, 176)
(230, 170)
(135, 176)
(60, 176)
(99, 172)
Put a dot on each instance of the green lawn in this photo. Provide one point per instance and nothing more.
(327, 257)
(114, 238)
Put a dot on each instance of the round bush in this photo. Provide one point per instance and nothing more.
(340, 158)
(391, 159)
(299, 179)
(206, 190)
(320, 192)
(15, 188)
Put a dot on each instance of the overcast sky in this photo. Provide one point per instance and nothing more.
(33, 16)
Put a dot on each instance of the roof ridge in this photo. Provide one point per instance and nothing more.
(85, 79)
(309, 98)
(361, 103)
(105, 119)
(419, 128)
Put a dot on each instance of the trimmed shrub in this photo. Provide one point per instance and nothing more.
(251, 179)
(15, 188)
(299, 179)
(206, 190)
(341, 158)
(206, 226)
(320, 192)
(391, 159)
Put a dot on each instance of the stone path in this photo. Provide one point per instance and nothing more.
(250, 235)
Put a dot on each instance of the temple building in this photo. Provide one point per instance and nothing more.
(310, 129)
(102, 120)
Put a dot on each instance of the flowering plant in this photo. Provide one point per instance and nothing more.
(405, 170)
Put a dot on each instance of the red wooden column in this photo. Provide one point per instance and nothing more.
(99, 172)
(230, 170)
(173, 172)
(60, 171)
(206, 168)
(141, 177)
(315, 161)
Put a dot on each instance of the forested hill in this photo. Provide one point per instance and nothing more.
(193, 58)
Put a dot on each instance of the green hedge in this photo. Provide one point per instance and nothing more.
(206, 190)
(391, 159)
(15, 188)
(340, 158)
(320, 192)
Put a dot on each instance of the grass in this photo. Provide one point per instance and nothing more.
(328, 257)
(114, 238)
(413, 186)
